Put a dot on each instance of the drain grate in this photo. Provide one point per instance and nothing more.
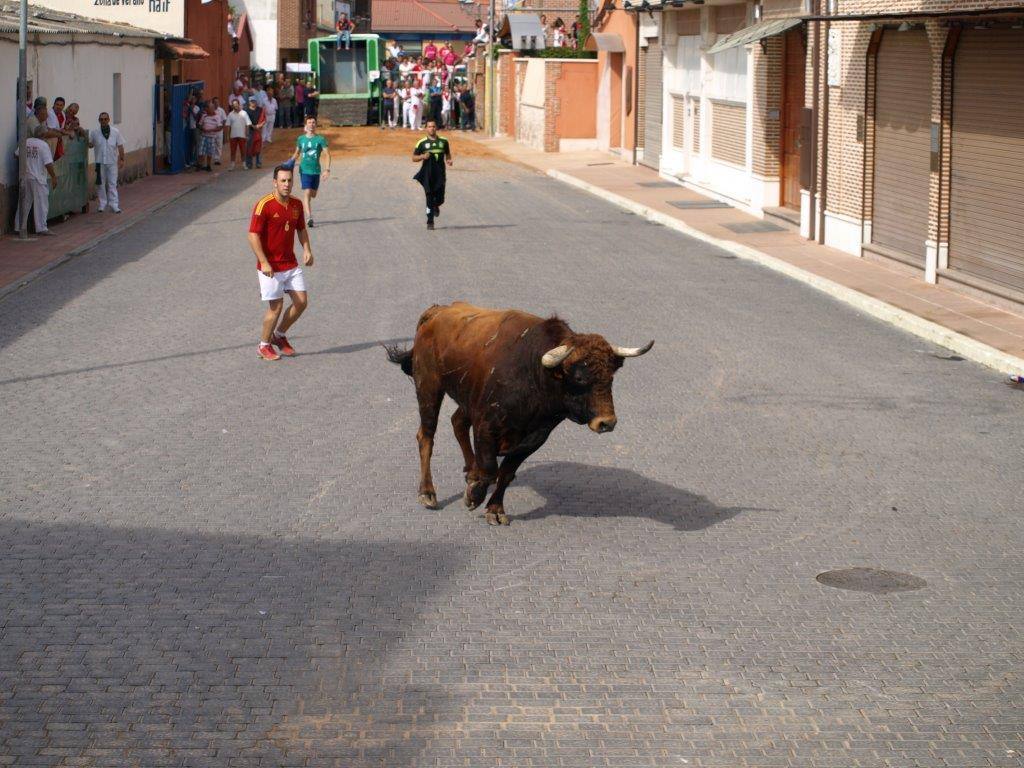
(749, 227)
(873, 580)
(697, 204)
(657, 184)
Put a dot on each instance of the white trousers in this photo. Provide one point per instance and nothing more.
(107, 190)
(407, 114)
(35, 197)
(268, 129)
(417, 116)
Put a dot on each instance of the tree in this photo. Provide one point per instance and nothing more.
(584, 32)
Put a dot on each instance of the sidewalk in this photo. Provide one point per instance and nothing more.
(21, 262)
(976, 330)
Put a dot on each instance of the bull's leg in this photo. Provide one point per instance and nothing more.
(485, 466)
(429, 397)
(460, 423)
(507, 473)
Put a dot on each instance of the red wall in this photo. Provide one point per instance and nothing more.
(206, 24)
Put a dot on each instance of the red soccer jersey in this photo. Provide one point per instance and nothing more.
(276, 225)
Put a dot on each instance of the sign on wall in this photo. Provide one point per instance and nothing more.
(167, 16)
(835, 56)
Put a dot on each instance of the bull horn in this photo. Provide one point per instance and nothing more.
(554, 357)
(633, 351)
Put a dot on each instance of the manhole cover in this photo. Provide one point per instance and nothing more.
(873, 580)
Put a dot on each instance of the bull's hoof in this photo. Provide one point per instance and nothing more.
(496, 517)
(475, 494)
(428, 500)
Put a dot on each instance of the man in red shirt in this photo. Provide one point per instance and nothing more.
(275, 220)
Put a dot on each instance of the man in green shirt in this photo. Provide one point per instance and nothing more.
(435, 155)
(308, 148)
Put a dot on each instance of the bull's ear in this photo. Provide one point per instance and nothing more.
(554, 357)
(633, 351)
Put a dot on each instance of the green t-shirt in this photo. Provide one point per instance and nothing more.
(310, 148)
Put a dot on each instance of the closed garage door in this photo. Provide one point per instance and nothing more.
(652, 104)
(902, 144)
(986, 228)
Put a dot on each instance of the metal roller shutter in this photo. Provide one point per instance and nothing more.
(678, 122)
(902, 143)
(986, 228)
(729, 132)
(652, 104)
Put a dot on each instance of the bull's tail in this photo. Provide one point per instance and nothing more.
(400, 357)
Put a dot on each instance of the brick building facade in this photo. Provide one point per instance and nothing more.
(890, 130)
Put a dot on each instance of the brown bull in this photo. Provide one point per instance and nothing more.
(514, 377)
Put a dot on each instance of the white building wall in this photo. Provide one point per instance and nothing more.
(83, 72)
(263, 18)
(725, 76)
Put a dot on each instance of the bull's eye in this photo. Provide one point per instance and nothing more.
(580, 378)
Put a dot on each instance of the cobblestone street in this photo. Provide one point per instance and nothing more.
(209, 560)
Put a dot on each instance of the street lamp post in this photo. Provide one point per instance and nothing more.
(489, 72)
(22, 120)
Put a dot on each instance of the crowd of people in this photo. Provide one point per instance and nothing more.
(429, 86)
(247, 123)
(49, 128)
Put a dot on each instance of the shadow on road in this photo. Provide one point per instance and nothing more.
(323, 222)
(347, 349)
(477, 226)
(359, 347)
(581, 490)
(184, 648)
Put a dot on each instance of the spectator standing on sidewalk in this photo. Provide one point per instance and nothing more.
(55, 120)
(34, 193)
(254, 145)
(108, 153)
(212, 129)
(389, 96)
(73, 126)
(223, 122)
(299, 113)
(312, 101)
(37, 122)
(285, 104)
(238, 131)
(467, 109)
(270, 113)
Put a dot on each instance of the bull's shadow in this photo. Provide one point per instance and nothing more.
(581, 490)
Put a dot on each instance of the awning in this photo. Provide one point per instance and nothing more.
(606, 41)
(754, 32)
(180, 49)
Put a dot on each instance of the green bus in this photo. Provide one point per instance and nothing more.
(348, 80)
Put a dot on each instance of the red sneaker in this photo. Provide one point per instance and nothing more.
(283, 346)
(267, 353)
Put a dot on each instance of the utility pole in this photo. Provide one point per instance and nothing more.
(22, 120)
(489, 73)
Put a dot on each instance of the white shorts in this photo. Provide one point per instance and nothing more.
(275, 286)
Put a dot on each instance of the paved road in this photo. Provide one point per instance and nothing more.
(213, 561)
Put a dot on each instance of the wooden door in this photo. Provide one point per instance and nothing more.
(793, 68)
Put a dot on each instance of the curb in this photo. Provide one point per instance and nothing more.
(64, 258)
(963, 345)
